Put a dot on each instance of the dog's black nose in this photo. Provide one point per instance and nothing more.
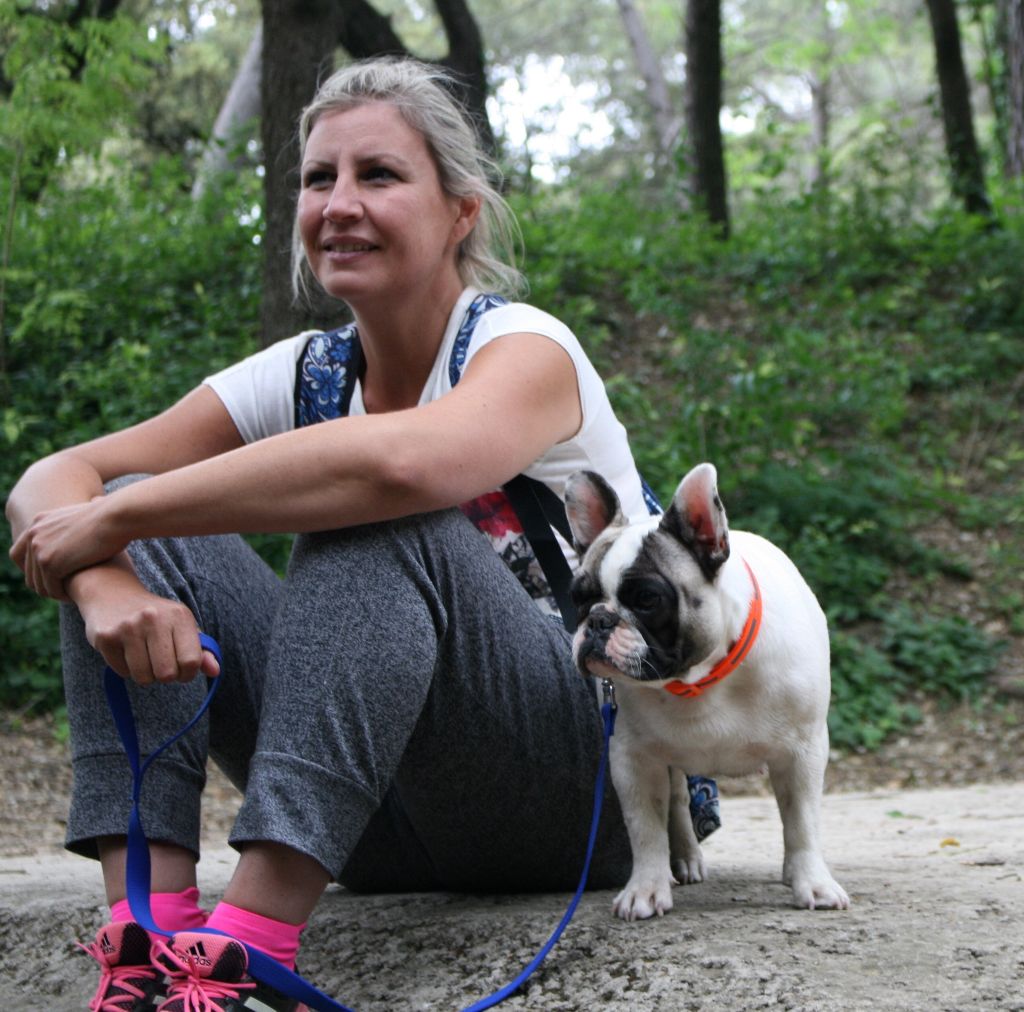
(601, 620)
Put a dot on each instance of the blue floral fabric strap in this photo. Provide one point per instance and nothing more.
(326, 376)
(480, 305)
(704, 808)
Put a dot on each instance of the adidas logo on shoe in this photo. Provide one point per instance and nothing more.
(210, 972)
(196, 953)
(128, 980)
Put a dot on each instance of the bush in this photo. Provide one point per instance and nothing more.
(828, 363)
(152, 294)
(874, 689)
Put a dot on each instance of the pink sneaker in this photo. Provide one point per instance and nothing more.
(128, 980)
(209, 973)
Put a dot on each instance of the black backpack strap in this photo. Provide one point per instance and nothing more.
(539, 509)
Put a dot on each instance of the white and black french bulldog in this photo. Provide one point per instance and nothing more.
(719, 654)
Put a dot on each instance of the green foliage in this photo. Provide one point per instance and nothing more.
(122, 297)
(844, 529)
(847, 363)
(866, 695)
(67, 103)
(873, 687)
(829, 359)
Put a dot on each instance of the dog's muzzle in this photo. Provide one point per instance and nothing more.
(601, 621)
(593, 635)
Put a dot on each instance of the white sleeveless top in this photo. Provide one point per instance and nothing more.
(259, 394)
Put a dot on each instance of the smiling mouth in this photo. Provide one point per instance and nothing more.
(348, 247)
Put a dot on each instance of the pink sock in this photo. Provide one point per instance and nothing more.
(276, 938)
(171, 911)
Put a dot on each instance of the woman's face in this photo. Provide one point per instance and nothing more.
(374, 221)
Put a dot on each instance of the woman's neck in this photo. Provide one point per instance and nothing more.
(400, 342)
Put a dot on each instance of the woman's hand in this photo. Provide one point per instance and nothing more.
(62, 541)
(143, 637)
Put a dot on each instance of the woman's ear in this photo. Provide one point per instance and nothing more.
(468, 212)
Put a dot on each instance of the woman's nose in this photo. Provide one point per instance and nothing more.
(343, 202)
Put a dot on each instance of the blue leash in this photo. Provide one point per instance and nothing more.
(262, 966)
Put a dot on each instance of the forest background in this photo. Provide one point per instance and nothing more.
(789, 233)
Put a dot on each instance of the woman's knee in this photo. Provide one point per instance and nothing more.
(428, 530)
(423, 553)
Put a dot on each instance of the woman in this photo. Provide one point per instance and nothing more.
(398, 711)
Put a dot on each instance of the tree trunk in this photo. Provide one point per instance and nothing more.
(298, 46)
(666, 126)
(241, 107)
(821, 129)
(957, 117)
(703, 108)
(466, 59)
(821, 106)
(365, 32)
(1012, 19)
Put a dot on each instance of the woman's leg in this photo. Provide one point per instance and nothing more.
(422, 723)
(234, 596)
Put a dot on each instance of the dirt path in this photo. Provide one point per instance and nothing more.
(937, 924)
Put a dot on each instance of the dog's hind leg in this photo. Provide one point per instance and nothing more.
(687, 858)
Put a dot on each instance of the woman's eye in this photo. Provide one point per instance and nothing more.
(379, 173)
(312, 180)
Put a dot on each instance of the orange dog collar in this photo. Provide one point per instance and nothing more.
(737, 653)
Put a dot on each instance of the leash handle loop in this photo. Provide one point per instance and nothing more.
(263, 967)
(138, 872)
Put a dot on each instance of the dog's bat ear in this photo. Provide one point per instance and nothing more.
(697, 519)
(591, 505)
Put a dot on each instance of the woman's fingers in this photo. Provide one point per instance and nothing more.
(188, 655)
(148, 639)
(136, 658)
(60, 542)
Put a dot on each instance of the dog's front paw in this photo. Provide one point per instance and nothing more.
(643, 897)
(690, 870)
(813, 886)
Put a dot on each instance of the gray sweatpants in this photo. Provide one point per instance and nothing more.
(397, 707)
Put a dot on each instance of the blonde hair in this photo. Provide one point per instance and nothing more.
(423, 94)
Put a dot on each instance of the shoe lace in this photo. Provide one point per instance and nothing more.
(196, 992)
(122, 977)
(200, 994)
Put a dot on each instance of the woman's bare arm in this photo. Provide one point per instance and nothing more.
(139, 634)
(518, 398)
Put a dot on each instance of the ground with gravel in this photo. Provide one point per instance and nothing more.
(927, 836)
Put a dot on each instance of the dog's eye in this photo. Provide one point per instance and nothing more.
(644, 596)
(646, 600)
